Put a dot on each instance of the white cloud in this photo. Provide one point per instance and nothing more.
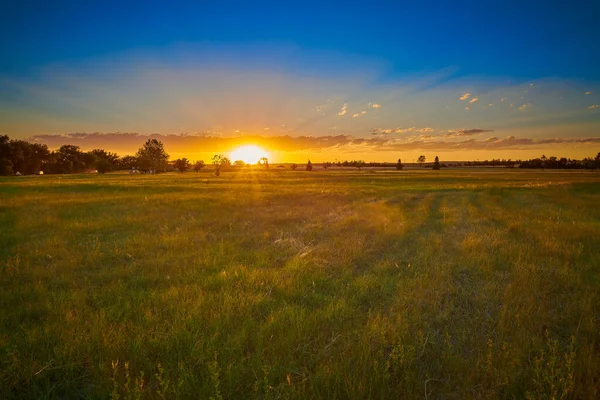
(376, 105)
(474, 100)
(465, 96)
(489, 105)
(588, 92)
(344, 109)
(467, 108)
(355, 115)
(593, 106)
(363, 113)
(524, 106)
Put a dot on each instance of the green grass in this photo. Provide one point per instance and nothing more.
(281, 284)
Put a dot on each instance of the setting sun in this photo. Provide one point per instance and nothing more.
(248, 154)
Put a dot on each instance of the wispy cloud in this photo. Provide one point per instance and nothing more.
(466, 132)
(593, 106)
(387, 131)
(524, 106)
(502, 100)
(474, 100)
(588, 92)
(344, 109)
(465, 96)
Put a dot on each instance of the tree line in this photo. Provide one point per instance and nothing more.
(25, 158)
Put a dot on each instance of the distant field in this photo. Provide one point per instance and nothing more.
(281, 284)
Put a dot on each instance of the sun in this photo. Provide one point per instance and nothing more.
(248, 154)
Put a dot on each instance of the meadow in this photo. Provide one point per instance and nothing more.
(288, 284)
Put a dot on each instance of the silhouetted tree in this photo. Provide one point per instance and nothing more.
(26, 158)
(69, 159)
(104, 161)
(399, 165)
(220, 162)
(294, 166)
(436, 163)
(152, 156)
(309, 166)
(129, 162)
(6, 163)
(182, 164)
(239, 163)
(264, 161)
(421, 160)
(198, 165)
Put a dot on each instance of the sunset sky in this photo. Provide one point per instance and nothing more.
(321, 80)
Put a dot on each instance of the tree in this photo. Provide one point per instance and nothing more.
(6, 163)
(69, 159)
(264, 161)
(359, 164)
(182, 164)
(399, 165)
(309, 166)
(220, 162)
(103, 160)
(23, 157)
(129, 162)
(152, 156)
(421, 160)
(198, 165)
(436, 163)
(294, 166)
(239, 163)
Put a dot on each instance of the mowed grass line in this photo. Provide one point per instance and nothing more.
(281, 284)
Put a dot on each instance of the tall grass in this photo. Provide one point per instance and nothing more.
(281, 284)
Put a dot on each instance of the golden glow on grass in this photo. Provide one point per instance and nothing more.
(248, 154)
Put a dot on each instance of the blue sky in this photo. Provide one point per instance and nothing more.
(281, 68)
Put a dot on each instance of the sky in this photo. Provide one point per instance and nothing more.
(374, 80)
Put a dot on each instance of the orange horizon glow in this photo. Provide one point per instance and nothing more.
(250, 154)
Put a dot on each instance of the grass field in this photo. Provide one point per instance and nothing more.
(282, 284)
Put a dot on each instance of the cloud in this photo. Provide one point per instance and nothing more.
(466, 132)
(387, 131)
(474, 100)
(363, 113)
(588, 92)
(593, 106)
(524, 106)
(376, 105)
(502, 100)
(489, 105)
(356, 115)
(467, 108)
(465, 96)
(344, 109)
